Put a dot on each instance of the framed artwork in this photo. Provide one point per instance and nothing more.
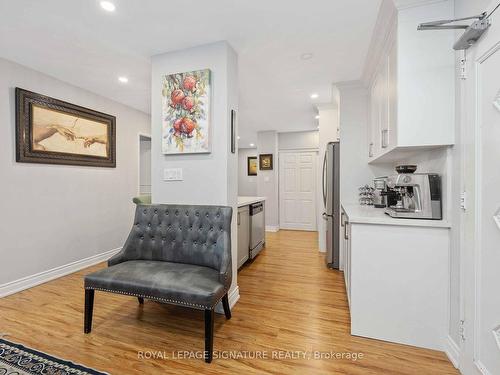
(51, 131)
(252, 165)
(186, 113)
(266, 162)
(233, 131)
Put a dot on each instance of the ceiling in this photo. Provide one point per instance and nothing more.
(80, 43)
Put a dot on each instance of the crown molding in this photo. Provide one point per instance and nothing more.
(350, 85)
(384, 28)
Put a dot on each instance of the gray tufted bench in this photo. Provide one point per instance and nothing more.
(174, 254)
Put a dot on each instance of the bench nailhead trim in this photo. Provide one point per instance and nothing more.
(182, 303)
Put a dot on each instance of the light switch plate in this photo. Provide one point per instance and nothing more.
(172, 174)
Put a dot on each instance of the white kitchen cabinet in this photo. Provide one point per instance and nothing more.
(412, 88)
(345, 244)
(243, 221)
(396, 276)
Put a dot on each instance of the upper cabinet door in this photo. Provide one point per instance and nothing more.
(392, 87)
(413, 87)
(384, 104)
(374, 128)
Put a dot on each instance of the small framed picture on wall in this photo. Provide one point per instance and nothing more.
(252, 165)
(266, 162)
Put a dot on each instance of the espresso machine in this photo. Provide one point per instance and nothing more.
(417, 196)
(383, 196)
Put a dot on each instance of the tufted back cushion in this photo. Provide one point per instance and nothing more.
(181, 233)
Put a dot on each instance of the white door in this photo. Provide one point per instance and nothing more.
(483, 302)
(487, 351)
(297, 190)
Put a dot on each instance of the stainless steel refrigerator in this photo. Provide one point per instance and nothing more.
(331, 200)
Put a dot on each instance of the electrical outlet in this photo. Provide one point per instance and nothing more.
(172, 174)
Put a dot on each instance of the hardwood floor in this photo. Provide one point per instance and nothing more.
(289, 302)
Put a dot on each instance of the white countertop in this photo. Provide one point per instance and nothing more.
(371, 215)
(245, 201)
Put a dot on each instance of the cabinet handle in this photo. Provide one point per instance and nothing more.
(238, 218)
(384, 134)
(342, 222)
(370, 150)
(346, 230)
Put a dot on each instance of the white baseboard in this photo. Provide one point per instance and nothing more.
(452, 350)
(42, 277)
(233, 297)
(272, 228)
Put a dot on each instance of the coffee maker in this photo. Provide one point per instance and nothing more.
(418, 196)
(382, 196)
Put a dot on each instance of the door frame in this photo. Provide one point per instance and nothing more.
(470, 251)
(140, 136)
(315, 152)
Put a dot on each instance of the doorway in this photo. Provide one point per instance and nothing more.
(481, 256)
(144, 187)
(297, 190)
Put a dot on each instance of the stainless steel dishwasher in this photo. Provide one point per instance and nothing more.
(257, 228)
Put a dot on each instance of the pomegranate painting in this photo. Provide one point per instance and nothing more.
(189, 83)
(185, 116)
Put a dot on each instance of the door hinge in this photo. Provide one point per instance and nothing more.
(463, 200)
(463, 66)
(462, 330)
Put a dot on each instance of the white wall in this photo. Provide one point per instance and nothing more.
(298, 140)
(247, 185)
(354, 168)
(208, 178)
(267, 181)
(54, 214)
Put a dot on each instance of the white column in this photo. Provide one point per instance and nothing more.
(207, 178)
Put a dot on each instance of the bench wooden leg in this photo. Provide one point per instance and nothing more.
(225, 304)
(141, 300)
(89, 307)
(209, 335)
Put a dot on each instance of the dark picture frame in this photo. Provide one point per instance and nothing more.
(266, 162)
(251, 170)
(26, 152)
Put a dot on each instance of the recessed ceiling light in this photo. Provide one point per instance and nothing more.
(306, 56)
(314, 96)
(252, 145)
(123, 79)
(238, 137)
(316, 117)
(108, 6)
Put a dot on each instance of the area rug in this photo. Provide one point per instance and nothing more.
(16, 359)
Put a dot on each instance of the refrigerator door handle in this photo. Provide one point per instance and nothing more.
(324, 180)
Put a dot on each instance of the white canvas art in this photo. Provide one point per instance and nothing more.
(186, 112)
